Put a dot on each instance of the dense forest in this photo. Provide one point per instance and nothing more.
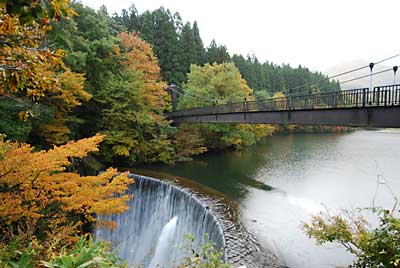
(178, 44)
(114, 72)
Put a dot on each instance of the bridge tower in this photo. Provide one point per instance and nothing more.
(172, 91)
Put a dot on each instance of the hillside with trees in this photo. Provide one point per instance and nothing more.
(177, 44)
(108, 74)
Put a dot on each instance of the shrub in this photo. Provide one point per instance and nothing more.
(372, 246)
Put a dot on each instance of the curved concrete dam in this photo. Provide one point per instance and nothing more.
(159, 217)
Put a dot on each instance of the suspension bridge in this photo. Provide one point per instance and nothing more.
(377, 106)
(365, 107)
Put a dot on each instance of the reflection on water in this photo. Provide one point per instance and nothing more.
(282, 181)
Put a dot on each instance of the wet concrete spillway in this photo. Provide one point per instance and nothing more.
(158, 219)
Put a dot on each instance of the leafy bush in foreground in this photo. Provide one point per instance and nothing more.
(207, 256)
(86, 253)
(372, 247)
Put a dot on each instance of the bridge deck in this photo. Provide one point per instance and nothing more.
(378, 107)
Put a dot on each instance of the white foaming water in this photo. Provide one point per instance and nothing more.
(307, 204)
(147, 231)
(162, 254)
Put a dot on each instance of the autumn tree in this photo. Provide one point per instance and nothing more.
(26, 65)
(27, 69)
(134, 102)
(220, 84)
(140, 57)
(33, 73)
(40, 200)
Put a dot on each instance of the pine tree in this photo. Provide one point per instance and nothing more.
(198, 46)
(217, 54)
(187, 53)
(159, 28)
(129, 19)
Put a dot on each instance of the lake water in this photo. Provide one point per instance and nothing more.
(284, 180)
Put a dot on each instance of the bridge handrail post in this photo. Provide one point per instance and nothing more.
(397, 96)
(355, 94)
(385, 102)
(363, 97)
(378, 96)
(313, 101)
(335, 99)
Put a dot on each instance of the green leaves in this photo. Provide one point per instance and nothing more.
(270, 77)
(133, 101)
(85, 254)
(373, 247)
(25, 259)
(220, 84)
(206, 256)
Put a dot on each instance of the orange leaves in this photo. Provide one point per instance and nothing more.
(24, 65)
(140, 55)
(23, 115)
(188, 142)
(141, 58)
(35, 186)
(28, 68)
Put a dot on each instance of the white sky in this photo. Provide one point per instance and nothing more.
(314, 33)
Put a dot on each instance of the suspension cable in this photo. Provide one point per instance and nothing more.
(340, 74)
(195, 96)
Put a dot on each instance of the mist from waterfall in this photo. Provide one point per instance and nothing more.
(159, 218)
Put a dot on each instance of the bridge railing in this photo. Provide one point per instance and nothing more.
(364, 97)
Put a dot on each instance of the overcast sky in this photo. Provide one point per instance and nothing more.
(314, 33)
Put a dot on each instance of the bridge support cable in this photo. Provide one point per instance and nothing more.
(306, 93)
(338, 75)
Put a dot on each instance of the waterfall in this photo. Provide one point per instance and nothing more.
(165, 243)
(159, 217)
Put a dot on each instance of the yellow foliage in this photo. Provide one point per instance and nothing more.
(67, 97)
(38, 194)
(141, 58)
(279, 101)
(258, 130)
(26, 67)
(72, 91)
